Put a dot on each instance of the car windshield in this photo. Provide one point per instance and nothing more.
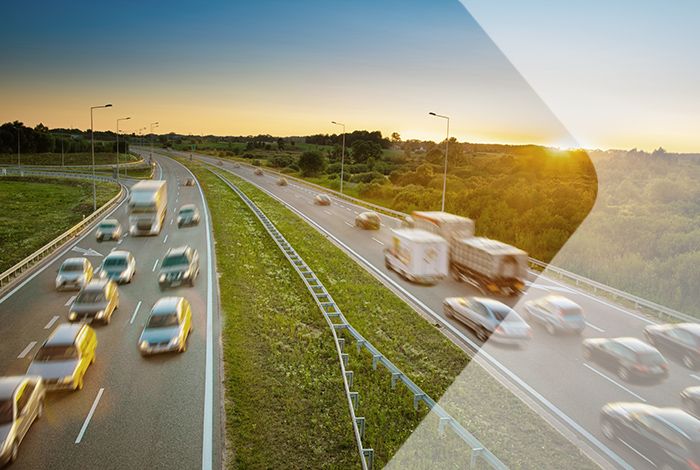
(171, 261)
(108, 225)
(71, 268)
(504, 314)
(6, 411)
(90, 297)
(56, 353)
(570, 312)
(186, 211)
(651, 358)
(114, 262)
(163, 320)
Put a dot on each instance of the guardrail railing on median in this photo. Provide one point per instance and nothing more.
(10, 274)
(338, 323)
(639, 303)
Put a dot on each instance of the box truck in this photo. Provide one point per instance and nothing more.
(417, 255)
(147, 207)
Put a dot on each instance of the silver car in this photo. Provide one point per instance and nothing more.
(118, 266)
(74, 274)
(188, 215)
(21, 403)
(168, 328)
(108, 229)
(557, 314)
(488, 319)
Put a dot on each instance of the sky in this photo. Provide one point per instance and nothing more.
(289, 68)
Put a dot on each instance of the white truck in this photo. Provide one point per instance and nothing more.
(489, 265)
(417, 255)
(148, 207)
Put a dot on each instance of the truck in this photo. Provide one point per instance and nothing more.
(490, 265)
(147, 207)
(417, 255)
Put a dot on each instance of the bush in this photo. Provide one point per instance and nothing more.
(312, 163)
(368, 177)
(281, 161)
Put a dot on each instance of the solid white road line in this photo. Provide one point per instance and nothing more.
(171, 221)
(348, 223)
(616, 383)
(136, 310)
(70, 301)
(598, 329)
(89, 416)
(26, 350)
(165, 239)
(51, 322)
(155, 265)
(381, 243)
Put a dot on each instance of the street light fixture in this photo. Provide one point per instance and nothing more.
(120, 119)
(92, 146)
(150, 157)
(447, 146)
(342, 158)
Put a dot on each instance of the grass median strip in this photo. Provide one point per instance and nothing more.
(422, 352)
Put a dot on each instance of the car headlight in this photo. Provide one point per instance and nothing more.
(173, 341)
(143, 345)
(100, 314)
(72, 316)
(161, 278)
(186, 274)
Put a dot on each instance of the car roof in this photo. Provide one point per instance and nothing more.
(635, 344)
(323, 195)
(96, 284)
(370, 214)
(561, 301)
(8, 385)
(177, 251)
(118, 254)
(64, 334)
(166, 305)
(681, 421)
(109, 221)
(70, 261)
(490, 303)
(187, 206)
(693, 328)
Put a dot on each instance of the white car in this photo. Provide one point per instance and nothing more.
(557, 313)
(322, 200)
(74, 273)
(118, 266)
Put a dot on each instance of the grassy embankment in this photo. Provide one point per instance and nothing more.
(37, 210)
(267, 308)
(54, 159)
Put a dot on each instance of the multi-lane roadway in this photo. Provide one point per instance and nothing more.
(134, 412)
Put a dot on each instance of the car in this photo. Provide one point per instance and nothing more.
(368, 221)
(488, 318)
(21, 403)
(187, 216)
(680, 340)
(322, 200)
(282, 182)
(168, 327)
(557, 313)
(74, 274)
(180, 265)
(669, 438)
(628, 357)
(220, 163)
(690, 397)
(119, 266)
(65, 356)
(108, 229)
(236, 165)
(189, 182)
(258, 172)
(96, 301)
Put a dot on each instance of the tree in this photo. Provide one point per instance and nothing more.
(395, 137)
(363, 150)
(312, 163)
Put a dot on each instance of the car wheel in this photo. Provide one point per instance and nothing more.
(14, 452)
(623, 373)
(587, 354)
(79, 384)
(448, 312)
(608, 430)
(689, 361)
(184, 346)
(107, 320)
(550, 329)
(387, 265)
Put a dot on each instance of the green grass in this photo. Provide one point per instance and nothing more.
(522, 440)
(51, 159)
(35, 211)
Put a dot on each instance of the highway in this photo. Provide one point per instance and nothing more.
(134, 412)
(550, 370)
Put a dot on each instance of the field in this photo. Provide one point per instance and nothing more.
(53, 159)
(413, 344)
(35, 211)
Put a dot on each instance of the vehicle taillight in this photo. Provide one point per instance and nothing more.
(641, 368)
(692, 465)
(499, 330)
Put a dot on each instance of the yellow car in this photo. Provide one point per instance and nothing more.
(21, 403)
(168, 327)
(64, 358)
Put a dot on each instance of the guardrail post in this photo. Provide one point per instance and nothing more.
(349, 375)
(355, 397)
(369, 457)
(346, 358)
(341, 344)
(417, 399)
(375, 360)
(441, 425)
(476, 453)
(395, 376)
(361, 425)
(359, 344)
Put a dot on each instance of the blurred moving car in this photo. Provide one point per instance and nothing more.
(118, 266)
(108, 229)
(681, 340)
(236, 165)
(322, 200)
(97, 301)
(282, 182)
(488, 318)
(691, 400)
(21, 403)
(168, 327)
(628, 357)
(258, 172)
(368, 221)
(180, 265)
(557, 314)
(669, 438)
(65, 356)
(74, 273)
(189, 181)
(187, 216)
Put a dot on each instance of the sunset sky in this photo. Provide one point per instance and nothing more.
(289, 68)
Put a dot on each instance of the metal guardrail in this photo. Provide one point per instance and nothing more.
(338, 323)
(10, 274)
(657, 309)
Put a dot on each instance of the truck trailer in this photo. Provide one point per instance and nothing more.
(147, 207)
(417, 255)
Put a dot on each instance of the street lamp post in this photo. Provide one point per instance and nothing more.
(120, 119)
(19, 155)
(447, 146)
(342, 158)
(150, 157)
(92, 146)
